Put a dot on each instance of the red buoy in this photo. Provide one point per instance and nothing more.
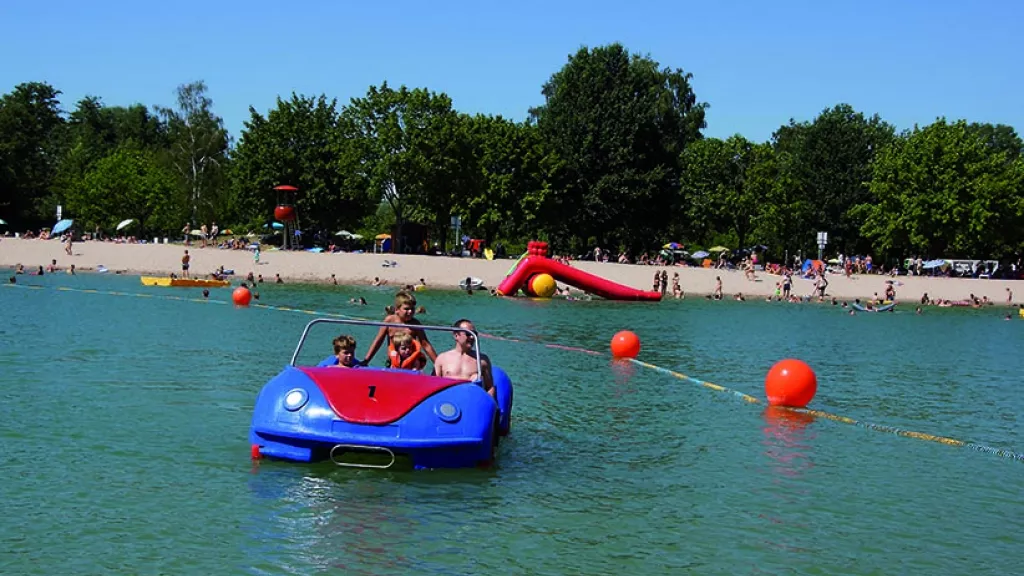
(241, 296)
(790, 382)
(625, 344)
(284, 213)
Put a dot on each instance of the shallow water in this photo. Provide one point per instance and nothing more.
(123, 443)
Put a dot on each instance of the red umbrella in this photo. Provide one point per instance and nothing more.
(286, 188)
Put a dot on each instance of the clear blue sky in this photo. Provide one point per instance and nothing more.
(757, 63)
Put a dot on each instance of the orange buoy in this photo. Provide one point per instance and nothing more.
(625, 344)
(790, 382)
(241, 296)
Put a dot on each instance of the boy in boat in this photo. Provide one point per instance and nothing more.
(460, 361)
(406, 353)
(345, 351)
(405, 313)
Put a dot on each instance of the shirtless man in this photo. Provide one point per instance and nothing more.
(184, 264)
(460, 361)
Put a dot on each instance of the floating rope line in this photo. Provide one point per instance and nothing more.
(678, 375)
(844, 419)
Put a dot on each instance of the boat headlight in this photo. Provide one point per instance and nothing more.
(447, 411)
(295, 399)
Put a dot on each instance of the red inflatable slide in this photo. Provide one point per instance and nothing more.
(538, 263)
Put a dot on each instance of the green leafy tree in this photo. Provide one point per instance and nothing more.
(1001, 137)
(724, 186)
(198, 152)
(945, 192)
(129, 183)
(31, 143)
(401, 151)
(94, 131)
(828, 164)
(620, 123)
(297, 143)
(780, 222)
(516, 172)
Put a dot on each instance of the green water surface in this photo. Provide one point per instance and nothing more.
(124, 421)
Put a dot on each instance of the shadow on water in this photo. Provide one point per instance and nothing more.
(324, 517)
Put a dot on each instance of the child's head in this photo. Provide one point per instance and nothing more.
(405, 305)
(345, 350)
(402, 341)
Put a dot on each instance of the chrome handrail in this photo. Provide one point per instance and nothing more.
(476, 336)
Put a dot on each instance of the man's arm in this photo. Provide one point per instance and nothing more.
(439, 365)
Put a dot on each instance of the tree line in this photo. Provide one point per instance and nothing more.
(613, 157)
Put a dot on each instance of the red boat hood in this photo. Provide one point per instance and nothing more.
(375, 396)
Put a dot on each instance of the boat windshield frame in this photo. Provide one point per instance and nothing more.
(451, 329)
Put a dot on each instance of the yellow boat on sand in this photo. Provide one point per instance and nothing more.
(183, 282)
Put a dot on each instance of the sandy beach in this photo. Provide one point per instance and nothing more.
(445, 272)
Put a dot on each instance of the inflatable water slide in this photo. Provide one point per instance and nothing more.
(535, 274)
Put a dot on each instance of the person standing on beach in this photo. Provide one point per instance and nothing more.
(187, 231)
(185, 260)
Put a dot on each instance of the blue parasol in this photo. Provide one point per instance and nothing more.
(61, 226)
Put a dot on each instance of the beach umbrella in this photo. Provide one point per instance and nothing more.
(673, 246)
(357, 236)
(62, 226)
(275, 226)
(125, 223)
(718, 249)
(196, 232)
(3, 222)
(382, 236)
(700, 255)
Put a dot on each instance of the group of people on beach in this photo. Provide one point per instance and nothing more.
(409, 348)
(205, 234)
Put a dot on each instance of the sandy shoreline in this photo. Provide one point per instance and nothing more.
(444, 273)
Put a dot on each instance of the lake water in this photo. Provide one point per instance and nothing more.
(124, 420)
